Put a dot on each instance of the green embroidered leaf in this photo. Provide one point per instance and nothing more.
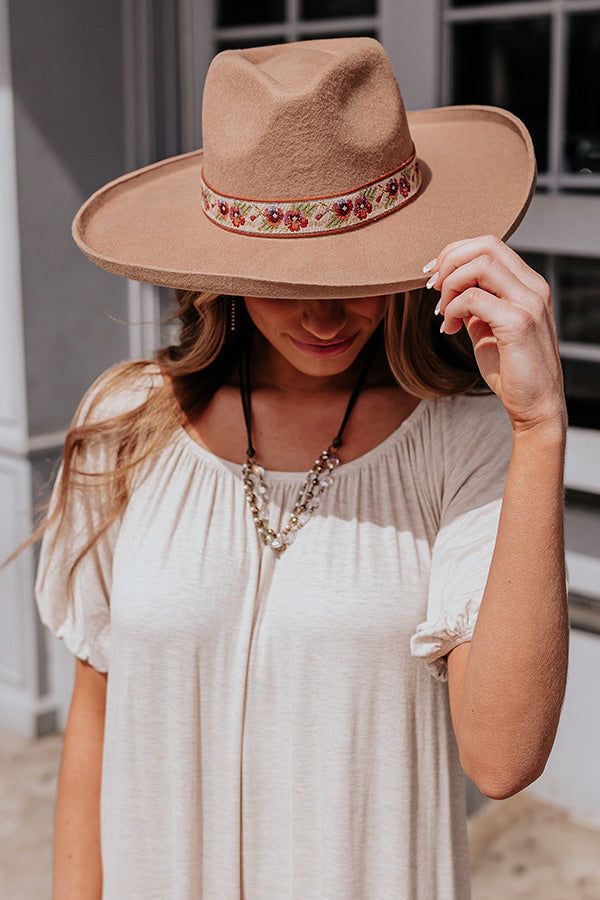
(268, 226)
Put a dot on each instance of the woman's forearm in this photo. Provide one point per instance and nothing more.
(515, 677)
(77, 871)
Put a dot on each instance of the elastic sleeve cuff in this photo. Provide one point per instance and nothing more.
(95, 651)
(433, 640)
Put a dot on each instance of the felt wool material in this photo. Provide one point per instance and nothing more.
(311, 119)
(279, 728)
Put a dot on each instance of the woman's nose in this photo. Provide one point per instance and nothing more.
(324, 319)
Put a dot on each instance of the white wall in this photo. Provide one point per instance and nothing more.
(61, 137)
(572, 777)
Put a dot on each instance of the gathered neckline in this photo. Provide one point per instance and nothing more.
(186, 439)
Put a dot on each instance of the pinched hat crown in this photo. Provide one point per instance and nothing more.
(329, 125)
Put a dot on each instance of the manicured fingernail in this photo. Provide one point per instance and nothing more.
(437, 309)
(432, 280)
(429, 266)
(442, 325)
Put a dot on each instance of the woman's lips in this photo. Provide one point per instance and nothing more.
(333, 349)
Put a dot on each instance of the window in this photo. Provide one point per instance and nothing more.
(575, 284)
(541, 60)
(582, 127)
(317, 9)
(232, 13)
(493, 60)
(274, 22)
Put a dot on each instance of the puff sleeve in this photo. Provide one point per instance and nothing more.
(84, 624)
(476, 445)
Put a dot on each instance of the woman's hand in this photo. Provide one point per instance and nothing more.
(507, 310)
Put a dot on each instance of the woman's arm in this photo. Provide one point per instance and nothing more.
(77, 871)
(515, 675)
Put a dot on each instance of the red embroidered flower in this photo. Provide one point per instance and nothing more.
(342, 208)
(236, 216)
(274, 214)
(404, 186)
(391, 186)
(294, 220)
(362, 206)
(223, 207)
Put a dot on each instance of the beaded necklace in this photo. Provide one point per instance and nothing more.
(318, 479)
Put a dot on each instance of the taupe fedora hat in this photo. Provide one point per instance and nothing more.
(313, 181)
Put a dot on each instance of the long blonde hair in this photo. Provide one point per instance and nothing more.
(424, 363)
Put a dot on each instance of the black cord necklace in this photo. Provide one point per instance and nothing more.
(317, 480)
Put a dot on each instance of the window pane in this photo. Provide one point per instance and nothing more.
(579, 297)
(582, 536)
(507, 64)
(478, 2)
(582, 522)
(336, 9)
(588, 189)
(578, 300)
(582, 140)
(537, 261)
(579, 303)
(335, 34)
(582, 392)
(244, 43)
(230, 12)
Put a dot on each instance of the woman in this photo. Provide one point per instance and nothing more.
(303, 663)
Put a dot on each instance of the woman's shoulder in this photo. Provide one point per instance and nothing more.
(470, 422)
(460, 408)
(120, 387)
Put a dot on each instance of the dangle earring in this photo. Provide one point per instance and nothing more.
(232, 305)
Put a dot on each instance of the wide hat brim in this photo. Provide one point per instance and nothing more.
(478, 173)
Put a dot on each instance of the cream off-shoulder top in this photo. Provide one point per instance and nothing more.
(279, 727)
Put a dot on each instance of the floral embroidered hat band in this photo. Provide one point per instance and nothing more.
(314, 215)
(311, 139)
